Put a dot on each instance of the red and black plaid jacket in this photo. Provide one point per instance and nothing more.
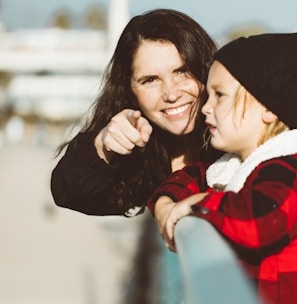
(260, 221)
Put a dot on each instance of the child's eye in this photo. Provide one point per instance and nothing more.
(218, 94)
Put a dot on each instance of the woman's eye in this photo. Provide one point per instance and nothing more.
(182, 74)
(149, 80)
(183, 71)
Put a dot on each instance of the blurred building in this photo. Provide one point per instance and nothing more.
(53, 75)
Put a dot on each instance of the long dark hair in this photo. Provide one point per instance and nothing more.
(144, 169)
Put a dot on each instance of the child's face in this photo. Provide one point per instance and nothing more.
(233, 129)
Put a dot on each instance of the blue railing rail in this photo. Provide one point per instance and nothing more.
(209, 269)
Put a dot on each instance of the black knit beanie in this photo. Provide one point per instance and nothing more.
(266, 65)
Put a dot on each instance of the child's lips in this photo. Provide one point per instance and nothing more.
(211, 127)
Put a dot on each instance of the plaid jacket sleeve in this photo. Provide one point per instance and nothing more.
(262, 216)
(181, 184)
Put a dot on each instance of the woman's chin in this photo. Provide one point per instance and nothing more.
(180, 129)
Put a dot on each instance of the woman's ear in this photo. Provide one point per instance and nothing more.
(268, 117)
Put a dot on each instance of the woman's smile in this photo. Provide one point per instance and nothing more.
(177, 111)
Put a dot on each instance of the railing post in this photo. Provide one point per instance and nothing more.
(211, 274)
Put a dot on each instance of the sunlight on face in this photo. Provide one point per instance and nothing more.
(166, 92)
(233, 128)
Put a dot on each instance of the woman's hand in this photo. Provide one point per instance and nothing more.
(126, 130)
(178, 211)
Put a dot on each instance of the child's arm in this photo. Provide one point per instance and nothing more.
(162, 209)
(180, 185)
(174, 212)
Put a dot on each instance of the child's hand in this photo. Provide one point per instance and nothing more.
(178, 211)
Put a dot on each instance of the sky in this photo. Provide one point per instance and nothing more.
(216, 16)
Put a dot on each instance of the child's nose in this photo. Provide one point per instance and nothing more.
(207, 108)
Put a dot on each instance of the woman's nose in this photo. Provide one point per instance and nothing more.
(171, 91)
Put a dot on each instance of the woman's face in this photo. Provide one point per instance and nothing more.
(167, 94)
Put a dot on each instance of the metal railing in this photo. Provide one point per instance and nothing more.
(209, 269)
(205, 270)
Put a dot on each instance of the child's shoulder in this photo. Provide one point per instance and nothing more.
(278, 168)
(189, 173)
(282, 169)
(201, 165)
(287, 160)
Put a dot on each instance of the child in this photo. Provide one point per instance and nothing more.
(250, 193)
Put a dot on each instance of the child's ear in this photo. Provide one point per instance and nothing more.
(268, 117)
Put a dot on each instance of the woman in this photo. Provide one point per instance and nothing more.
(145, 122)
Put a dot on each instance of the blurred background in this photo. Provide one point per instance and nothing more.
(52, 56)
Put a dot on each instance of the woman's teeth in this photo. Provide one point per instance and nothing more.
(176, 111)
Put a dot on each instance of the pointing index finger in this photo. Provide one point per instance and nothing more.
(133, 116)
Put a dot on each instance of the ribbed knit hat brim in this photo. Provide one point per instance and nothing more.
(266, 65)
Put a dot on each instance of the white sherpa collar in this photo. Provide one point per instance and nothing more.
(228, 170)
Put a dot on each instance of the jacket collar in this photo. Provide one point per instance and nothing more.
(228, 170)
